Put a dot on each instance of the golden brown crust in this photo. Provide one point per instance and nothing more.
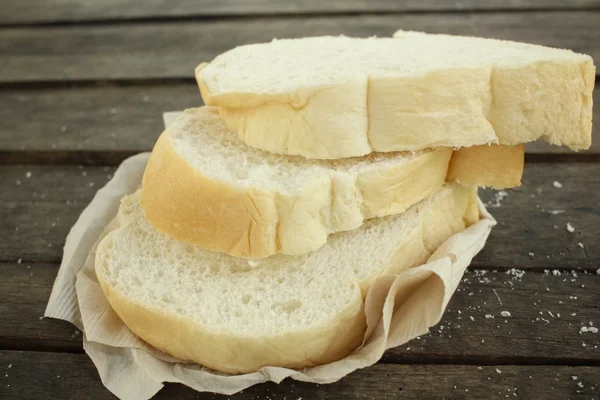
(188, 206)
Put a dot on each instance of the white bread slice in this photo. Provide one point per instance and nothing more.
(335, 97)
(204, 186)
(290, 311)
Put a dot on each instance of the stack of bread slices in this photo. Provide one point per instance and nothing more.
(318, 165)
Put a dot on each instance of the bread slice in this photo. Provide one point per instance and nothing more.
(237, 316)
(334, 97)
(204, 186)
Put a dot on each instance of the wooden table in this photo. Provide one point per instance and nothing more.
(84, 84)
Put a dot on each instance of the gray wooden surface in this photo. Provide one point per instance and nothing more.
(85, 82)
(162, 50)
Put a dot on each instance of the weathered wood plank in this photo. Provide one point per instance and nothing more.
(39, 11)
(24, 292)
(73, 376)
(166, 50)
(526, 337)
(37, 213)
(110, 121)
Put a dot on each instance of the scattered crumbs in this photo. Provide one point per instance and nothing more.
(471, 294)
(498, 371)
(547, 289)
(517, 274)
(580, 384)
(505, 313)
(531, 254)
(598, 271)
(550, 314)
(585, 329)
(18, 182)
(28, 174)
(580, 244)
(573, 314)
(574, 274)
(554, 212)
(408, 348)
(471, 318)
(574, 377)
(557, 184)
(19, 261)
(58, 376)
(498, 198)
(555, 226)
(9, 365)
(583, 344)
(573, 297)
(41, 318)
(555, 272)
(488, 316)
(84, 173)
(91, 184)
(570, 227)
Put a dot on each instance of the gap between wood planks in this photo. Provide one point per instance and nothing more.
(286, 15)
(82, 12)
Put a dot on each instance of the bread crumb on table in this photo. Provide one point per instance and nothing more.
(570, 227)
(557, 184)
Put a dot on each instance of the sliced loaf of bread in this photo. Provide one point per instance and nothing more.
(334, 97)
(237, 316)
(204, 186)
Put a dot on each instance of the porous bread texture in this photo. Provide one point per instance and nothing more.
(334, 97)
(288, 311)
(202, 185)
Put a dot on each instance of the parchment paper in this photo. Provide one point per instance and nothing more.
(398, 307)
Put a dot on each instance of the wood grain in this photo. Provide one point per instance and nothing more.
(168, 50)
(34, 375)
(37, 213)
(40, 11)
(109, 122)
(543, 327)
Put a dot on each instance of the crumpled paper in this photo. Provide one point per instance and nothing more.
(398, 307)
